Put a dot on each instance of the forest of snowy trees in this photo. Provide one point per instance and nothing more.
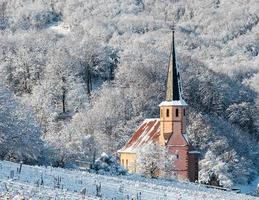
(78, 77)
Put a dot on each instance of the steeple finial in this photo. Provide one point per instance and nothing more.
(173, 88)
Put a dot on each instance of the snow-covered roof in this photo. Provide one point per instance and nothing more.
(147, 132)
(195, 152)
(180, 102)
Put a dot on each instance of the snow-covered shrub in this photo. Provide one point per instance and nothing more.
(107, 164)
(45, 18)
(3, 24)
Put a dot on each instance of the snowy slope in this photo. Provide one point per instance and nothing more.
(15, 190)
(42, 183)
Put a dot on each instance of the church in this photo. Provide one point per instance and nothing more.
(169, 130)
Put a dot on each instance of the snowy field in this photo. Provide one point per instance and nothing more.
(55, 183)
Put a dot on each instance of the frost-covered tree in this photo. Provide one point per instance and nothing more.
(212, 164)
(76, 141)
(242, 115)
(154, 160)
(3, 15)
(96, 61)
(20, 135)
(222, 145)
(199, 132)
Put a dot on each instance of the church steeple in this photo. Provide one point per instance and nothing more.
(172, 110)
(173, 92)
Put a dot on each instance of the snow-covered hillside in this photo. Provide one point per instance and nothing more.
(47, 182)
(77, 77)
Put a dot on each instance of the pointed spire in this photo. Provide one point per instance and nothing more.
(173, 87)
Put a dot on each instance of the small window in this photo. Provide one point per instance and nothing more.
(167, 112)
(122, 162)
(127, 163)
(177, 156)
(176, 112)
(161, 112)
(183, 112)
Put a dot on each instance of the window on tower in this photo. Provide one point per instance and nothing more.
(183, 112)
(167, 112)
(176, 112)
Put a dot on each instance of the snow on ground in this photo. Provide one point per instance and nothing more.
(61, 28)
(46, 182)
(16, 190)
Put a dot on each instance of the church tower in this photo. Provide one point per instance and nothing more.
(173, 123)
(169, 130)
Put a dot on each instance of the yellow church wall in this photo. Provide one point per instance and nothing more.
(132, 167)
(128, 161)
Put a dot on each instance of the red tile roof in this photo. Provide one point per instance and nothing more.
(147, 132)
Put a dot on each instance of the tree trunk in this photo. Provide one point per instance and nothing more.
(63, 95)
(63, 100)
(3, 8)
(88, 80)
(111, 73)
